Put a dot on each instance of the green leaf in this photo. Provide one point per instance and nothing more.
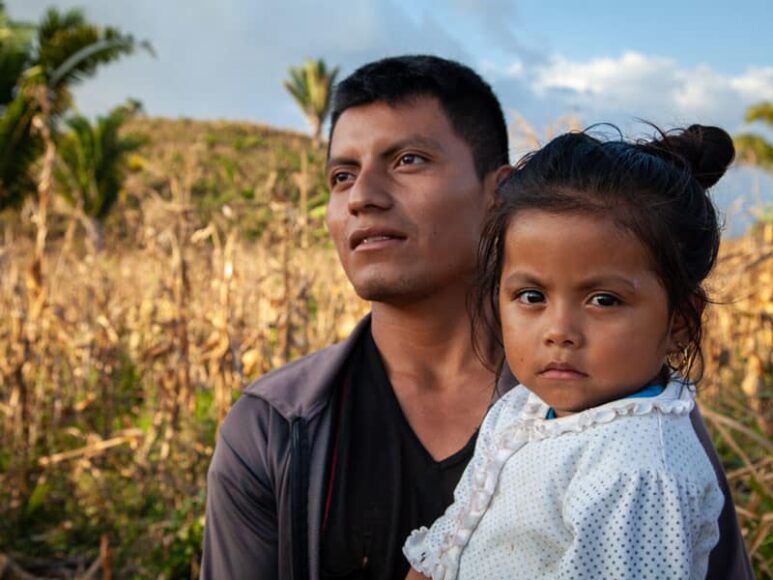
(37, 497)
(310, 85)
(754, 149)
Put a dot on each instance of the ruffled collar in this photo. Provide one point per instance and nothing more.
(677, 398)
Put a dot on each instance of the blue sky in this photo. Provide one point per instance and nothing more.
(671, 62)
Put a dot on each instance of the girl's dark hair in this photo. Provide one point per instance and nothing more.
(655, 189)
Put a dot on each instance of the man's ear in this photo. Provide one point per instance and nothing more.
(501, 172)
(493, 179)
(681, 326)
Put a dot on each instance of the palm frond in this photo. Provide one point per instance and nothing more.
(19, 147)
(93, 161)
(70, 49)
(754, 150)
(760, 112)
(13, 61)
(15, 54)
(310, 85)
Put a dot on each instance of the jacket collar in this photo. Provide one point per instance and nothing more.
(302, 388)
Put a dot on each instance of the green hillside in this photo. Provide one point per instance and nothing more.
(208, 164)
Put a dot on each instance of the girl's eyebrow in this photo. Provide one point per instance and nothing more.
(520, 277)
(603, 280)
(600, 281)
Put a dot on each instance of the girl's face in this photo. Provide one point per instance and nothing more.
(585, 319)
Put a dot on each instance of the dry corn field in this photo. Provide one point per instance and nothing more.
(115, 369)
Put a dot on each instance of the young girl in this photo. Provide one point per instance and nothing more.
(593, 260)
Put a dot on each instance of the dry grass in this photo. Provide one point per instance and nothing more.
(737, 391)
(115, 371)
(116, 368)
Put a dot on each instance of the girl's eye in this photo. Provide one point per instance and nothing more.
(604, 300)
(411, 159)
(530, 297)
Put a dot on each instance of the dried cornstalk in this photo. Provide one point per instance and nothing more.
(131, 437)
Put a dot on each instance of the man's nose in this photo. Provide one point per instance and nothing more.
(370, 191)
(563, 328)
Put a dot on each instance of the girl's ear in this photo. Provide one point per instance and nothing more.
(681, 327)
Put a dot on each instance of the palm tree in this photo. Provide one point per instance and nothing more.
(67, 50)
(754, 149)
(17, 153)
(311, 87)
(92, 165)
(15, 54)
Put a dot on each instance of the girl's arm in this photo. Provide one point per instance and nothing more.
(642, 525)
(436, 551)
(414, 575)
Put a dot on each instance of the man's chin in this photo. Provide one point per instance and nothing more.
(390, 291)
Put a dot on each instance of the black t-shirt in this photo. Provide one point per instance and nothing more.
(384, 482)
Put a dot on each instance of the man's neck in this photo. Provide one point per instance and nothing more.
(441, 386)
(429, 341)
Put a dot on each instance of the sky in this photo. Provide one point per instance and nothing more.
(672, 63)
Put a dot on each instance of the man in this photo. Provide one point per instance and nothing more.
(323, 467)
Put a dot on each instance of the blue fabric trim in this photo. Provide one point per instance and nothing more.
(648, 391)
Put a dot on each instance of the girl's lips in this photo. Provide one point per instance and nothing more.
(561, 371)
(562, 374)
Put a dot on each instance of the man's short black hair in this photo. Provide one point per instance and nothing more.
(467, 100)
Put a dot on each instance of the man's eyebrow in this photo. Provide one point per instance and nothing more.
(415, 140)
(337, 161)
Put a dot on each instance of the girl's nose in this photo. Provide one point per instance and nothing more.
(563, 329)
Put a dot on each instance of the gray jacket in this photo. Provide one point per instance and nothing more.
(266, 483)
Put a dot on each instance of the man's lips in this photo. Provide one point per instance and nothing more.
(558, 370)
(373, 237)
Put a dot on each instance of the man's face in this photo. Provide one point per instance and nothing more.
(406, 205)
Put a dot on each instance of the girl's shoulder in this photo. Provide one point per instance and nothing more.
(647, 437)
(507, 410)
(652, 434)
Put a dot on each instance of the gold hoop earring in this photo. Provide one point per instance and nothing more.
(679, 358)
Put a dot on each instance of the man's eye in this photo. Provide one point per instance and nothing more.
(604, 300)
(530, 297)
(411, 159)
(340, 177)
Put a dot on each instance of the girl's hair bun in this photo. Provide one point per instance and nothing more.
(707, 151)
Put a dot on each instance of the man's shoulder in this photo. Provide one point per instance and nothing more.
(302, 387)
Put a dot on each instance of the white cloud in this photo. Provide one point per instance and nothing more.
(596, 76)
(650, 87)
(229, 60)
(755, 83)
(638, 86)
